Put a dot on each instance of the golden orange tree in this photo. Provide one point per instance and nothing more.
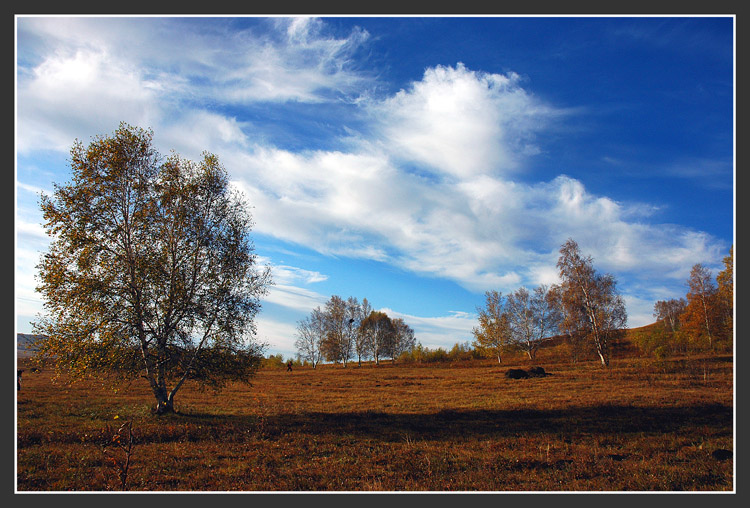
(151, 270)
(699, 318)
(381, 333)
(708, 315)
(725, 294)
(493, 335)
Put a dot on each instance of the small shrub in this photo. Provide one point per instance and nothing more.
(273, 362)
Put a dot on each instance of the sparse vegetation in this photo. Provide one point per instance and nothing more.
(165, 289)
(640, 424)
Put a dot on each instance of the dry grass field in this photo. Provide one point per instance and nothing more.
(640, 425)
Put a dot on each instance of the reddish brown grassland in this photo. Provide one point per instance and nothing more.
(641, 425)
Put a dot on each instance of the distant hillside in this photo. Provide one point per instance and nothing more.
(25, 344)
(623, 347)
(646, 328)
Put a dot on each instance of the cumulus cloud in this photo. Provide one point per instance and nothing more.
(86, 90)
(479, 227)
(482, 232)
(461, 122)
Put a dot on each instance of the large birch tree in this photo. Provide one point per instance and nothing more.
(151, 271)
(591, 305)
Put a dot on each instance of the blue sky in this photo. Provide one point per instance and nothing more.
(414, 161)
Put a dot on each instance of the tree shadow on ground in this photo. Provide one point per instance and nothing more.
(450, 424)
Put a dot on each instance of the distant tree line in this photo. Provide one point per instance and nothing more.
(584, 310)
(585, 307)
(702, 321)
(460, 351)
(345, 329)
(418, 354)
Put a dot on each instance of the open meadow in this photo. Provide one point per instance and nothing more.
(462, 426)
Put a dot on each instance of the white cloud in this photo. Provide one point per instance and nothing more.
(285, 275)
(640, 310)
(32, 189)
(279, 336)
(462, 122)
(482, 232)
(294, 297)
(190, 132)
(429, 187)
(31, 230)
(28, 302)
(439, 331)
(478, 228)
(307, 65)
(78, 77)
(70, 95)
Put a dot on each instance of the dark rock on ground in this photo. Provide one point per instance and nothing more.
(537, 372)
(617, 457)
(516, 374)
(722, 454)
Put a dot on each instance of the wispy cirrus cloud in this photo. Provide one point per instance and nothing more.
(706, 173)
(439, 331)
(294, 297)
(80, 76)
(285, 274)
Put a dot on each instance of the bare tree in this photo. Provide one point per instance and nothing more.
(352, 321)
(669, 312)
(381, 333)
(362, 336)
(310, 333)
(404, 339)
(531, 317)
